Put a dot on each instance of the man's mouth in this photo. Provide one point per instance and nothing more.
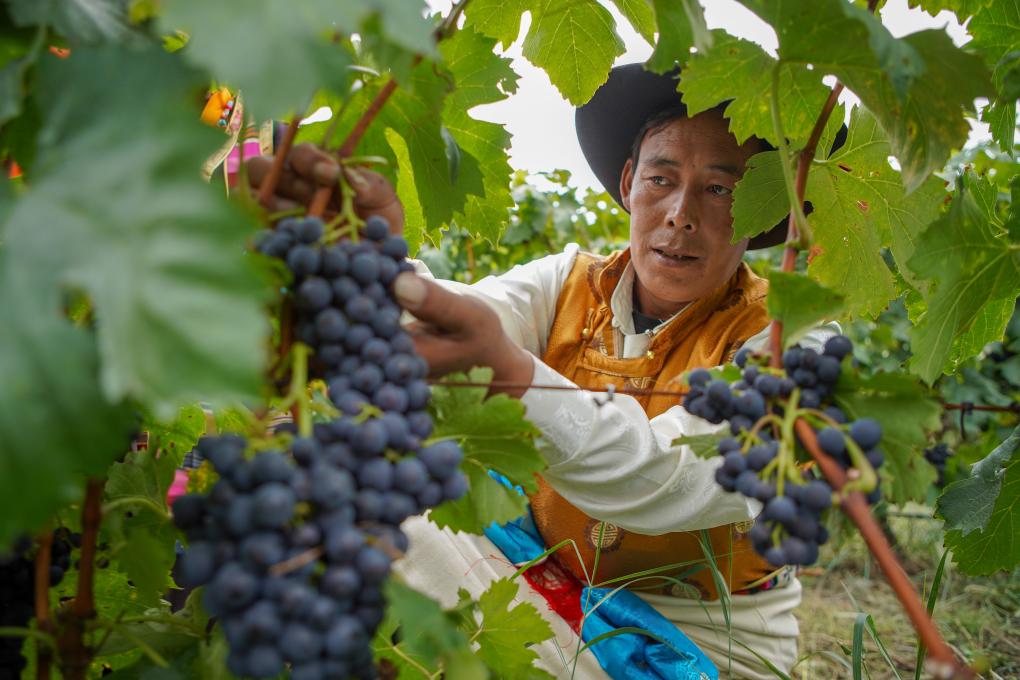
(674, 255)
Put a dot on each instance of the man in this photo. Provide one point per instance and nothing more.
(678, 298)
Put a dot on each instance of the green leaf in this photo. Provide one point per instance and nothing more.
(175, 438)
(142, 541)
(987, 540)
(415, 229)
(800, 303)
(906, 413)
(963, 8)
(996, 29)
(918, 86)
(703, 445)
(859, 207)
(641, 16)
(82, 21)
(967, 504)
(681, 25)
(55, 423)
(499, 19)
(759, 197)
(482, 77)
(1001, 119)
(505, 634)
(159, 252)
(279, 53)
(741, 71)
(426, 631)
(575, 42)
(495, 436)
(414, 112)
(188, 658)
(970, 265)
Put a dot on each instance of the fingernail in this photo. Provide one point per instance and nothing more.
(325, 172)
(410, 290)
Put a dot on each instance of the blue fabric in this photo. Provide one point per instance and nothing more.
(626, 656)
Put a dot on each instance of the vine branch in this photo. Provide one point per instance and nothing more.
(268, 186)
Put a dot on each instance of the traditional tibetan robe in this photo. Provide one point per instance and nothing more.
(584, 347)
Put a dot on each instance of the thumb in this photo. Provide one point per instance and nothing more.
(432, 303)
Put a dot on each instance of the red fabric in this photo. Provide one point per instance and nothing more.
(560, 589)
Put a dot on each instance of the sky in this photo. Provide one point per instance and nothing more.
(542, 122)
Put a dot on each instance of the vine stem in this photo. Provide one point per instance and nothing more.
(75, 655)
(942, 663)
(268, 186)
(41, 588)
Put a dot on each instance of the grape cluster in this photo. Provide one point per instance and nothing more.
(938, 455)
(758, 463)
(294, 544)
(17, 588)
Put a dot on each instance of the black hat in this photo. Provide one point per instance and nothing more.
(607, 125)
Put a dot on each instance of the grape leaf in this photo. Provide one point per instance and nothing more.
(55, 422)
(800, 303)
(741, 71)
(996, 29)
(279, 53)
(981, 513)
(681, 25)
(970, 265)
(988, 325)
(188, 658)
(641, 16)
(16, 56)
(962, 8)
(859, 207)
(82, 21)
(482, 77)
(759, 197)
(1001, 119)
(499, 19)
(141, 540)
(966, 505)
(415, 228)
(160, 253)
(175, 438)
(905, 412)
(427, 633)
(505, 634)
(414, 112)
(495, 436)
(918, 86)
(575, 43)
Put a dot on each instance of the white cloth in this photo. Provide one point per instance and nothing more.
(614, 463)
(440, 562)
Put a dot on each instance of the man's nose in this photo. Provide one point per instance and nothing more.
(682, 211)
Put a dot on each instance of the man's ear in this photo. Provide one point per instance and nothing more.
(626, 178)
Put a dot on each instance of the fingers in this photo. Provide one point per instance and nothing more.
(446, 311)
(314, 165)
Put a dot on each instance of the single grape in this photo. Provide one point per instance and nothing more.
(377, 228)
(866, 432)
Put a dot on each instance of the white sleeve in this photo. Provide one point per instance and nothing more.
(524, 298)
(612, 462)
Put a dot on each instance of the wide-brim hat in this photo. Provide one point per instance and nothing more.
(607, 125)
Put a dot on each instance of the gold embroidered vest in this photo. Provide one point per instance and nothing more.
(582, 347)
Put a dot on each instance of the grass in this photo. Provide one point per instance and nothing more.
(979, 616)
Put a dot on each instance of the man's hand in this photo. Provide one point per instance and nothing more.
(455, 332)
(309, 168)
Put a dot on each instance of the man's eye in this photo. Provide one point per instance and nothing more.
(658, 180)
(720, 190)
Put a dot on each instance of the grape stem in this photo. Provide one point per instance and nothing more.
(301, 408)
(135, 500)
(868, 479)
(298, 561)
(269, 184)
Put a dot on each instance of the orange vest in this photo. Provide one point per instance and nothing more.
(582, 347)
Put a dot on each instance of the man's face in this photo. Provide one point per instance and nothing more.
(679, 197)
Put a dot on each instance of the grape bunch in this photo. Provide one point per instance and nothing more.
(938, 455)
(17, 588)
(760, 463)
(293, 544)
